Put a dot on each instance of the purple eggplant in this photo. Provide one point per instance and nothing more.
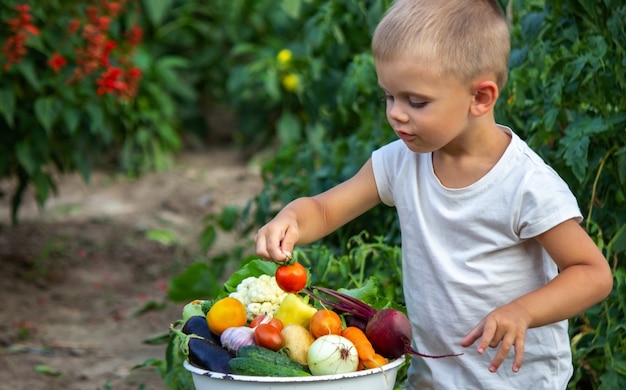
(209, 356)
(197, 325)
(203, 353)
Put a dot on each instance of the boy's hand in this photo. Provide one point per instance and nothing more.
(506, 326)
(275, 240)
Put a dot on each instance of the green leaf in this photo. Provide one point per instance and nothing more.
(7, 108)
(71, 118)
(197, 281)
(96, 117)
(288, 128)
(575, 144)
(172, 62)
(165, 237)
(612, 379)
(367, 293)
(271, 84)
(24, 155)
(47, 110)
(228, 217)
(158, 339)
(154, 362)
(208, 237)
(166, 71)
(291, 8)
(619, 242)
(156, 10)
(621, 166)
(148, 307)
(255, 267)
(47, 370)
(30, 74)
(531, 25)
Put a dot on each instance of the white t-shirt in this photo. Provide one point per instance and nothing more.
(467, 251)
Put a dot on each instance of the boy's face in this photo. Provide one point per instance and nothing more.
(426, 110)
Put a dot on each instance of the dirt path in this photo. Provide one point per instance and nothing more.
(74, 276)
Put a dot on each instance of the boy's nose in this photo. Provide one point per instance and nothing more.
(396, 113)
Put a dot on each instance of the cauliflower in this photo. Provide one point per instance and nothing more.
(260, 295)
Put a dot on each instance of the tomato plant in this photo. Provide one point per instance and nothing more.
(291, 278)
(268, 336)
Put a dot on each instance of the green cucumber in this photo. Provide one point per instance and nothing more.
(269, 356)
(259, 367)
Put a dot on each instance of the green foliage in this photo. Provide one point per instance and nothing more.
(72, 99)
(330, 121)
(352, 267)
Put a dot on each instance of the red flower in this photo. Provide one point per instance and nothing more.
(22, 8)
(73, 27)
(134, 35)
(103, 23)
(14, 49)
(113, 8)
(132, 77)
(31, 29)
(133, 73)
(57, 62)
(92, 14)
(110, 81)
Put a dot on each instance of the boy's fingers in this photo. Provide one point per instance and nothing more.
(287, 244)
(260, 246)
(503, 352)
(472, 336)
(488, 334)
(519, 355)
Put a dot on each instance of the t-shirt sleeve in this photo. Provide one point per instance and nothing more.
(547, 201)
(386, 162)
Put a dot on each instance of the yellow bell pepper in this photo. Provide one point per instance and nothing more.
(295, 310)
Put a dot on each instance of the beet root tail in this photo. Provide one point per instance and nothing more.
(411, 351)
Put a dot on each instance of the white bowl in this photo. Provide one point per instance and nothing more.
(382, 378)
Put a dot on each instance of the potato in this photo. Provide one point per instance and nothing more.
(297, 340)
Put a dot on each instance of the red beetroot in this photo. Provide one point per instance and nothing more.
(389, 331)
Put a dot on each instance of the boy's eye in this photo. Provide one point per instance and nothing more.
(417, 104)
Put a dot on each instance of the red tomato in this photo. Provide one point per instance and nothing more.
(291, 278)
(267, 336)
(265, 319)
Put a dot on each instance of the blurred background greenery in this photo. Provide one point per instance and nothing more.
(130, 83)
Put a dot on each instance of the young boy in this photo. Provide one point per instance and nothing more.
(493, 253)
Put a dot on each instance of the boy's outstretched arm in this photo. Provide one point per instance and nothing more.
(308, 219)
(584, 279)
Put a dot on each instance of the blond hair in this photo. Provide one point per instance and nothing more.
(464, 38)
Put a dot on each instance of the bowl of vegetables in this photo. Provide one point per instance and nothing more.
(266, 332)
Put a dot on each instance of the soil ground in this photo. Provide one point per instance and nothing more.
(75, 274)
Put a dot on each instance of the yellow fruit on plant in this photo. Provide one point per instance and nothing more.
(226, 313)
(291, 82)
(284, 56)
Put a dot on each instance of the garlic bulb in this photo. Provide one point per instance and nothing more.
(237, 337)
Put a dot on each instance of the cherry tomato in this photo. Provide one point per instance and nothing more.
(291, 278)
(265, 319)
(267, 336)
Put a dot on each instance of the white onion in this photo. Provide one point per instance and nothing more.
(332, 354)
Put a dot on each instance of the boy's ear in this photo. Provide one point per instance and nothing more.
(486, 94)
